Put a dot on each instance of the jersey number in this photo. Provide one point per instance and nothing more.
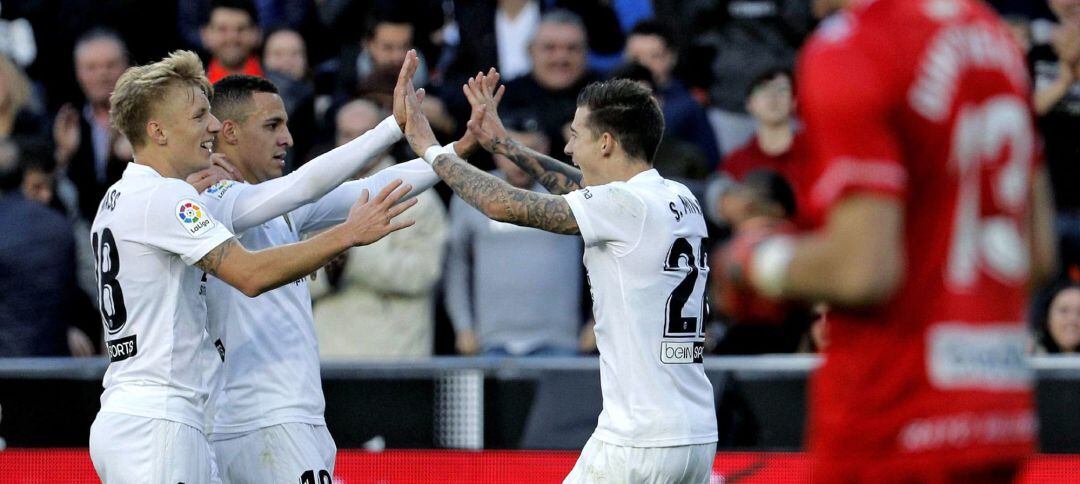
(110, 295)
(986, 230)
(677, 324)
(308, 477)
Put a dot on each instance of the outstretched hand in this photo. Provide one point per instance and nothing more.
(372, 219)
(404, 81)
(485, 125)
(417, 129)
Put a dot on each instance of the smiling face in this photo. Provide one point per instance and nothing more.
(558, 55)
(583, 147)
(1063, 322)
(231, 36)
(263, 139)
(187, 128)
(98, 65)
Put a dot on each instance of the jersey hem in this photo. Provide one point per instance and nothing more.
(223, 432)
(609, 438)
(156, 416)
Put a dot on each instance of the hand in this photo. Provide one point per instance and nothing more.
(482, 96)
(79, 343)
(220, 169)
(371, 220)
(404, 80)
(587, 338)
(732, 292)
(417, 129)
(466, 343)
(66, 133)
(1066, 43)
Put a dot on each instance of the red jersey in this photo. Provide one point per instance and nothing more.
(791, 164)
(925, 102)
(216, 71)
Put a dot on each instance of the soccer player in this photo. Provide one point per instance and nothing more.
(266, 415)
(934, 220)
(153, 241)
(643, 237)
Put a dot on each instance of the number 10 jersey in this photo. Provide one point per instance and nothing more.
(647, 274)
(148, 232)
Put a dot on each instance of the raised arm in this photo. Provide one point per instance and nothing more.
(558, 177)
(254, 273)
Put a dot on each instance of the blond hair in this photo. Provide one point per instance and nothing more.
(18, 88)
(140, 88)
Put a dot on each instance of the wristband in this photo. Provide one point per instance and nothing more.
(769, 265)
(434, 152)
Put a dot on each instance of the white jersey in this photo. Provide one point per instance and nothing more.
(647, 273)
(148, 232)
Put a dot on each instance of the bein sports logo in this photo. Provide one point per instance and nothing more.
(192, 218)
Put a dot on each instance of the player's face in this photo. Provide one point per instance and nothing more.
(264, 138)
(284, 53)
(583, 146)
(98, 65)
(231, 36)
(1064, 319)
(558, 55)
(189, 128)
(772, 102)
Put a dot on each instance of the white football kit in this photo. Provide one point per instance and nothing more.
(148, 232)
(265, 417)
(647, 271)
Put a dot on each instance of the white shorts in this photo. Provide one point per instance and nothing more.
(138, 450)
(290, 452)
(602, 463)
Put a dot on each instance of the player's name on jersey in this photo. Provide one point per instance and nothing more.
(689, 205)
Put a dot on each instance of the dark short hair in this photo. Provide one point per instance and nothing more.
(628, 111)
(653, 27)
(10, 174)
(21, 155)
(635, 72)
(773, 187)
(247, 6)
(101, 33)
(768, 76)
(388, 13)
(233, 94)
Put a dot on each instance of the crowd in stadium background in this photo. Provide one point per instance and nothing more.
(456, 282)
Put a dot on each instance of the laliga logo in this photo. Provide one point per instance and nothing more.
(190, 213)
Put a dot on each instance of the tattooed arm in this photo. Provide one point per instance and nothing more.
(558, 177)
(500, 201)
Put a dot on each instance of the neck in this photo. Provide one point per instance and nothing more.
(100, 111)
(622, 170)
(775, 139)
(512, 8)
(159, 162)
(237, 161)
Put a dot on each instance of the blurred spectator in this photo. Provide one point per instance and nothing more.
(17, 115)
(510, 290)
(88, 149)
(545, 100)
(1059, 331)
(232, 36)
(269, 14)
(675, 157)
(494, 33)
(748, 37)
(776, 146)
(377, 301)
(17, 41)
(1057, 101)
(652, 45)
(286, 65)
(37, 171)
(39, 301)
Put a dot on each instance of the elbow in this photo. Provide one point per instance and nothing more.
(251, 287)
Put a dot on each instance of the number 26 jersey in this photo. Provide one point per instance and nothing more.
(148, 232)
(647, 274)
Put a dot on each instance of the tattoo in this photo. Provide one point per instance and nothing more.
(558, 177)
(212, 260)
(500, 201)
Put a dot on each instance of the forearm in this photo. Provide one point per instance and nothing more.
(333, 208)
(273, 198)
(502, 202)
(274, 267)
(558, 177)
(1046, 98)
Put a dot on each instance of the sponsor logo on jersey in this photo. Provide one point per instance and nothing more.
(682, 352)
(193, 217)
(978, 357)
(218, 189)
(122, 349)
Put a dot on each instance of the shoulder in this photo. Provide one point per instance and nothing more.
(218, 190)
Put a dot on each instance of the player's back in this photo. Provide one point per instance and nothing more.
(147, 232)
(647, 274)
(933, 112)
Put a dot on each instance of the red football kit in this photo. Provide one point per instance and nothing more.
(925, 102)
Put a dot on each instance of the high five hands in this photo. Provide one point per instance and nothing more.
(484, 123)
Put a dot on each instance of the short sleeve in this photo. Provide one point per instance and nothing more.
(846, 104)
(177, 221)
(608, 215)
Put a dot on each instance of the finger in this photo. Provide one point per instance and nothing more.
(494, 76)
(398, 225)
(407, 69)
(363, 197)
(224, 163)
(401, 207)
(398, 194)
(387, 190)
(499, 94)
(468, 93)
(420, 93)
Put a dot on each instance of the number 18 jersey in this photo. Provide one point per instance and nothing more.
(647, 273)
(148, 232)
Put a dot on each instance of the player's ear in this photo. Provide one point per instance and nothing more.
(229, 132)
(607, 144)
(155, 132)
